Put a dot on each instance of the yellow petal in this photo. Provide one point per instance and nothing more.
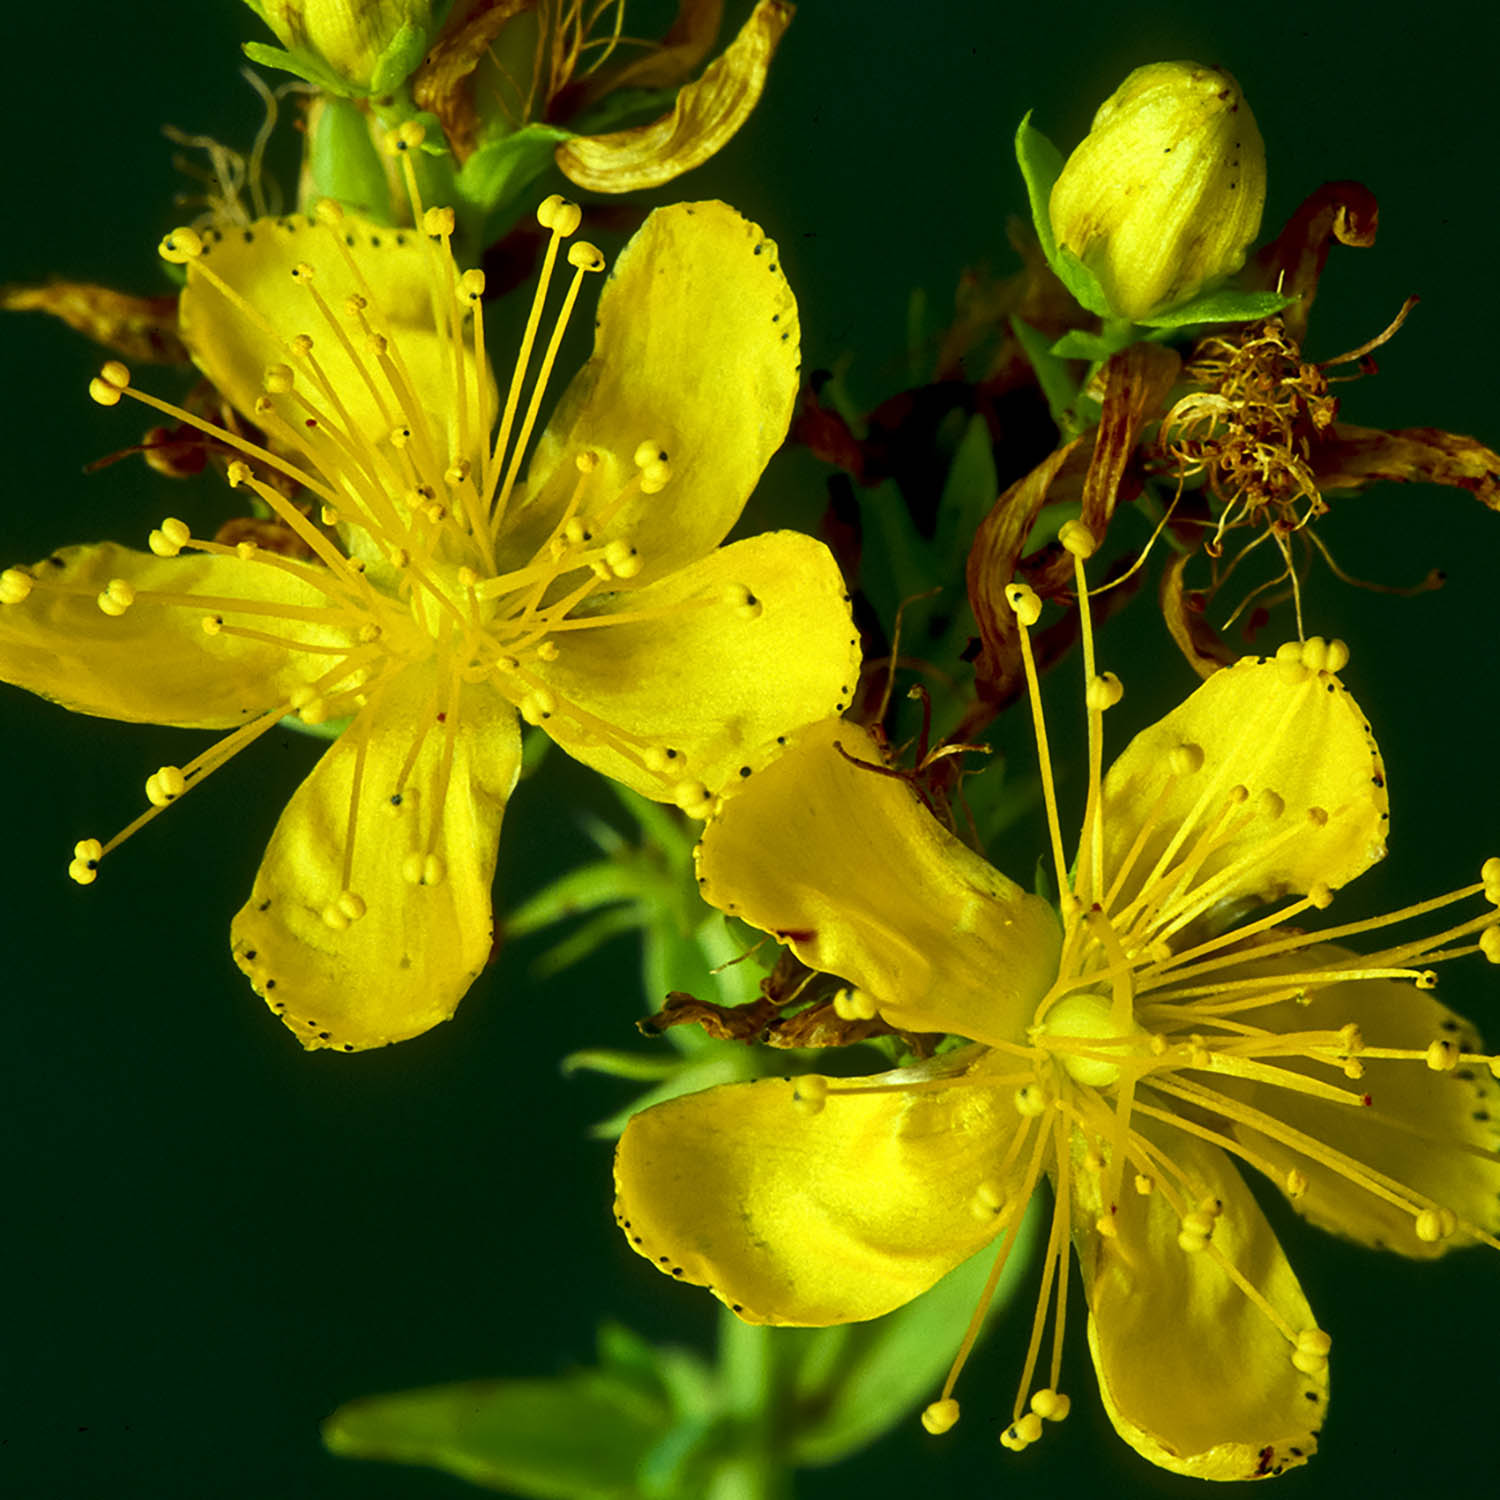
(712, 677)
(153, 664)
(696, 352)
(702, 119)
(405, 963)
(847, 867)
(1314, 801)
(406, 282)
(1433, 1131)
(1193, 1374)
(793, 1217)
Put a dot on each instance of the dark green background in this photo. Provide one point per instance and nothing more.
(211, 1239)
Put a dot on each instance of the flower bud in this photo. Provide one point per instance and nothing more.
(364, 45)
(1164, 195)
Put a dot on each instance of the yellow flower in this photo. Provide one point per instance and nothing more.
(1131, 1050)
(1163, 197)
(440, 597)
(361, 45)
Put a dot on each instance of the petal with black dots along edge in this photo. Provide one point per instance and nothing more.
(1433, 1132)
(696, 350)
(405, 964)
(1192, 1373)
(701, 676)
(1306, 741)
(813, 1219)
(154, 664)
(846, 866)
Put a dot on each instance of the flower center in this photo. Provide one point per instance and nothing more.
(1081, 1031)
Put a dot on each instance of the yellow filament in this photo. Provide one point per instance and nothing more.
(1044, 755)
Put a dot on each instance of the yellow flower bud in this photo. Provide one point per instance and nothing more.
(1164, 195)
(350, 38)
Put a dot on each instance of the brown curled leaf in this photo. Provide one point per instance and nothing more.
(1351, 457)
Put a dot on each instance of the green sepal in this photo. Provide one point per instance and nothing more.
(968, 492)
(1049, 364)
(1041, 164)
(1225, 304)
(399, 60)
(582, 1436)
(493, 179)
(853, 1383)
(1078, 343)
(329, 729)
(304, 65)
(342, 161)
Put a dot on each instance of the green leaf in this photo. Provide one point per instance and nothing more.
(341, 161)
(1041, 164)
(968, 493)
(879, 1373)
(399, 61)
(1094, 347)
(496, 175)
(301, 64)
(1050, 367)
(1226, 305)
(582, 1436)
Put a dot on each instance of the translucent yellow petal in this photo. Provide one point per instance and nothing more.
(846, 866)
(1435, 1132)
(1193, 1374)
(154, 664)
(1314, 805)
(697, 352)
(406, 283)
(793, 1217)
(713, 678)
(405, 963)
(702, 119)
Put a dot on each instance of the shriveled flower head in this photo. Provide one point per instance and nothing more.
(417, 586)
(1135, 1045)
(1163, 197)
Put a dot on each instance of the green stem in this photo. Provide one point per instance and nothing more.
(748, 1373)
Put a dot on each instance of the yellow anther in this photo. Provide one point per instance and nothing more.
(376, 345)
(116, 597)
(1338, 656)
(335, 919)
(181, 246)
(165, 785)
(1315, 653)
(108, 385)
(352, 905)
(116, 373)
(1310, 1355)
(1351, 1038)
(559, 215)
(988, 1200)
(940, 1416)
(1031, 1100)
(1426, 980)
(438, 222)
(548, 651)
(422, 869)
(169, 538)
(622, 559)
(238, 473)
(1442, 1056)
(1104, 691)
(1296, 1182)
(1489, 871)
(655, 477)
(1270, 804)
(648, 451)
(457, 473)
(400, 557)
(693, 798)
(329, 514)
(471, 286)
(434, 510)
(1024, 601)
(369, 633)
(1077, 539)
(354, 305)
(1318, 817)
(855, 1004)
(86, 856)
(329, 211)
(1145, 1184)
(658, 759)
(810, 1094)
(1022, 1433)
(83, 871)
(1185, 760)
(1107, 1226)
(15, 585)
(301, 345)
(538, 706)
(1320, 895)
(1354, 1069)
(1158, 1044)
(1431, 1226)
(304, 271)
(1050, 1405)
(583, 256)
(315, 711)
(212, 624)
(1289, 663)
(409, 135)
(1489, 944)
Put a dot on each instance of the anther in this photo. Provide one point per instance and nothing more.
(1050, 1405)
(559, 215)
(1104, 691)
(940, 1416)
(170, 537)
(301, 345)
(1311, 1352)
(1289, 663)
(181, 246)
(854, 1004)
(85, 866)
(693, 798)
(1270, 804)
(116, 597)
(1145, 1184)
(1315, 653)
(810, 1094)
(1296, 1182)
(437, 222)
(1024, 601)
(1489, 944)
(988, 1200)
(622, 559)
(304, 271)
(457, 472)
(1442, 1056)
(1185, 760)
(238, 473)
(423, 869)
(583, 256)
(1320, 895)
(409, 135)
(165, 785)
(278, 379)
(1338, 656)
(1031, 1100)
(1023, 1433)
(15, 585)
(329, 211)
(1077, 539)
(538, 706)
(471, 286)
(1426, 980)
(655, 477)
(1434, 1224)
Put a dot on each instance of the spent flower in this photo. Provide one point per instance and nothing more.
(431, 596)
(1133, 1045)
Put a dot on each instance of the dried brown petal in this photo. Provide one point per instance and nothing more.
(141, 329)
(1205, 649)
(441, 83)
(1352, 457)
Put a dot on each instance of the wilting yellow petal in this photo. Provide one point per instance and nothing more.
(696, 352)
(153, 663)
(847, 867)
(707, 674)
(1434, 1131)
(404, 280)
(791, 1216)
(1289, 791)
(703, 118)
(360, 958)
(1193, 1374)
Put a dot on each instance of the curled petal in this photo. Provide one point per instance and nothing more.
(790, 1216)
(703, 118)
(692, 668)
(846, 866)
(1193, 1373)
(347, 947)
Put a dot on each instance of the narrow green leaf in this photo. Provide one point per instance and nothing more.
(1050, 367)
(968, 494)
(1226, 305)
